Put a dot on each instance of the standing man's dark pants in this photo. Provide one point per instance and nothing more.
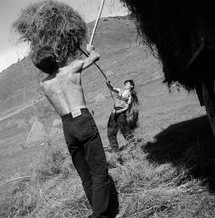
(85, 146)
(118, 122)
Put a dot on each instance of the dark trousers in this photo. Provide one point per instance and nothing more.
(118, 122)
(85, 146)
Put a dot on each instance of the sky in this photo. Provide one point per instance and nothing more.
(11, 50)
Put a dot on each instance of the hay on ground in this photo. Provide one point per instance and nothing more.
(54, 24)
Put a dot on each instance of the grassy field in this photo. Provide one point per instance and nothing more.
(168, 172)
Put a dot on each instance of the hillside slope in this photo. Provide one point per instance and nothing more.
(165, 173)
(122, 57)
(21, 100)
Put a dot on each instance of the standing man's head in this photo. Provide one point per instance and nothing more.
(45, 59)
(129, 84)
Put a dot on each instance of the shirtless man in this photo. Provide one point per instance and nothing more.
(63, 89)
(118, 120)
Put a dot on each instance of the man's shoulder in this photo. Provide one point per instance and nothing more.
(46, 82)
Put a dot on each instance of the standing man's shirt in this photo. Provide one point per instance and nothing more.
(123, 99)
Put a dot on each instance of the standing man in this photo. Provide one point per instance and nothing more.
(118, 118)
(63, 89)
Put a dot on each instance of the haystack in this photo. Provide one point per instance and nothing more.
(167, 25)
(52, 23)
(36, 135)
(57, 123)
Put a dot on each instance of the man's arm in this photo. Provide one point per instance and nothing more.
(112, 88)
(93, 57)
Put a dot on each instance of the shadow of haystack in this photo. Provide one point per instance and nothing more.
(189, 144)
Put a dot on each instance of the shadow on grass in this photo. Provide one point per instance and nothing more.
(189, 144)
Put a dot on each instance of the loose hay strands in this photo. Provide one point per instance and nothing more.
(52, 23)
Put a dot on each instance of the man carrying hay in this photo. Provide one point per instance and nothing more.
(63, 89)
(51, 46)
(124, 116)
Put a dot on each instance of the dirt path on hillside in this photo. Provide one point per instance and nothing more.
(19, 109)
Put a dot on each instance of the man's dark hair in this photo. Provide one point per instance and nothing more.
(45, 59)
(130, 81)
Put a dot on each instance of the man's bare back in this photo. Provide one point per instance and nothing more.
(63, 88)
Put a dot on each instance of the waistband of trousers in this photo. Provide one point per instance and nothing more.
(75, 113)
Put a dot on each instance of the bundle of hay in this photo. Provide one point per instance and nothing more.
(132, 114)
(167, 25)
(54, 24)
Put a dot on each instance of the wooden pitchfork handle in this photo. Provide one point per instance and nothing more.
(94, 63)
(97, 21)
(111, 94)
